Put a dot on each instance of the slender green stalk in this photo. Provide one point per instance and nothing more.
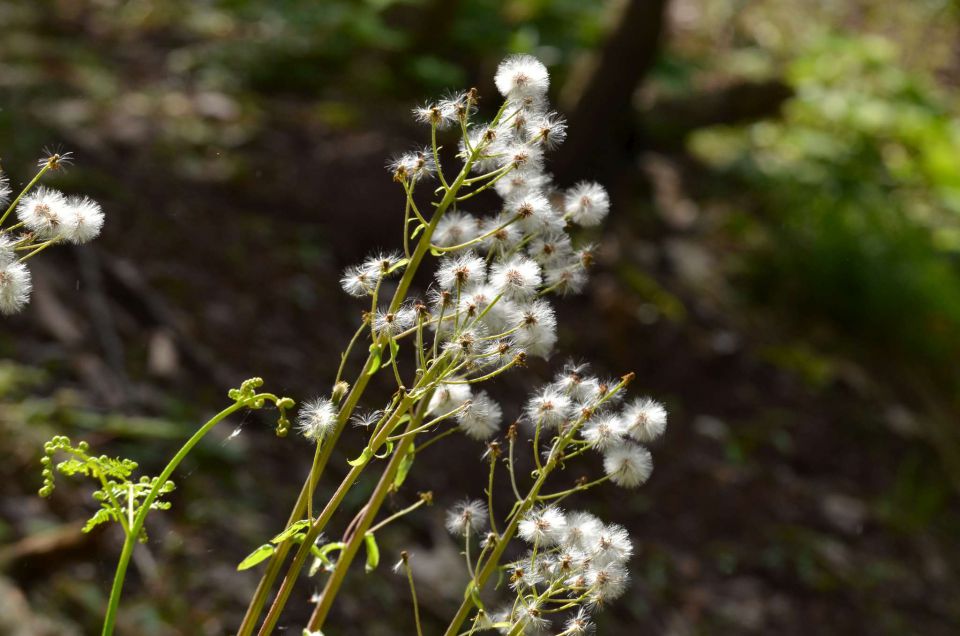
(493, 561)
(136, 528)
(286, 587)
(29, 186)
(413, 592)
(356, 540)
(253, 612)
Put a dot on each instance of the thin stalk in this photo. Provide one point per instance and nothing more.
(133, 535)
(356, 540)
(433, 440)
(398, 514)
(493, 561)
(413, 592)
(29, 186)
(266, 583)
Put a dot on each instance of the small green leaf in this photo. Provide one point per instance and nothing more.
(405, 465)
(364, 457)
(417, 230)
(262, 553)
(376, 351)
(373, 552)
(294, 528)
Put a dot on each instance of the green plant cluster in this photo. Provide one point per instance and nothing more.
(120, 498)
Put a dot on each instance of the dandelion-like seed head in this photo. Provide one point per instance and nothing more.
(46, 213)
(517, 278)
(481, 419)
(85, 221)
(543, 526)
(467, 517)
(587, 203)
(646, 419)
(522, 76)
(317, 419)
(628, 465)
(15, 286)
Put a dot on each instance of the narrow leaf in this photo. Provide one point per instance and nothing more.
(373, 552)
(294, 528)
(262, 553)
(377, 352)
(364, 457)
(404, 468)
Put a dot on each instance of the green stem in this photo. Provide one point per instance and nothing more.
(30, 185)
(133, 535)
(403, 286)
(356, 540)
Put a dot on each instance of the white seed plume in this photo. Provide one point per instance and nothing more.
(469, 516)
(15, 287)
(543, 526)
(628, 465)
(317, 419)
(84, 223)
(550, 407)
(461, 271)
(517, 278)
(522, 76)
(646, 420)
(45, 212)
(587, 203)
(447, 397)
(481, 419)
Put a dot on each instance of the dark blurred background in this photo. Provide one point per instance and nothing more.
(780, 267)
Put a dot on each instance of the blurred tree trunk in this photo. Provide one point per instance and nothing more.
(599, 100)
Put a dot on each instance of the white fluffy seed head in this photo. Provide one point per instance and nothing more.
(460, 272)
(611, 544)
(537, 333)
(580, 624)
(358, 282)
(481, 419)
(628, 465)
(7, 252)
(413, 166)
(447, 397)
(604, 432)
(4, 189)
(607, 583)
(466, 517)
(317, 419)
(15, 287)
(84, 224)
(565, 278)
(519, 183)
(394, 322)
(550, 248)
(456, 228)
(503, 236)
(382, 264)
(646, 419)
(522, 76)
(582, 532)
(549, 407)
(46, 213)
(586, 203)
(544, 526)
(517, 278)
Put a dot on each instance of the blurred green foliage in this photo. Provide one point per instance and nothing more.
(854, 215)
